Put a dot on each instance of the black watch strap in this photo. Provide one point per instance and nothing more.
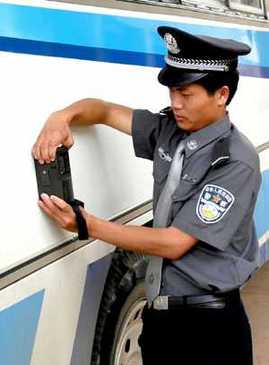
(81, 223)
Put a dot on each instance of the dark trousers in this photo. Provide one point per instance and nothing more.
(197, 336)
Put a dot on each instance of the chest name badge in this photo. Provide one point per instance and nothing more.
(214, 202)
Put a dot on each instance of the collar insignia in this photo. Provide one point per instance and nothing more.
(192, 144)
(164, 155)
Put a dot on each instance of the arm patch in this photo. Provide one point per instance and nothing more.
(214, 202)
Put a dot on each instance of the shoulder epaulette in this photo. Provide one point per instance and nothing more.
(221, 152)
(166, 111)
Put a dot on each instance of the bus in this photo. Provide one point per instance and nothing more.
(70, 302)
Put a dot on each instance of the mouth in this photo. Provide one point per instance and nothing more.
(179, 118)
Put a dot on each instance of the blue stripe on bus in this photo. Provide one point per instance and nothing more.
(18, 326)
(109, 38)
(102, 55)
(261, 210)
(92, 294)
(263, 254)
(79, 52)
(254, 71)
(261, 218)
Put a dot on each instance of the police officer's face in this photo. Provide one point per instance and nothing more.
(194, 108)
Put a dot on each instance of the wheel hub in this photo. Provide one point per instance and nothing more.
(128, 351)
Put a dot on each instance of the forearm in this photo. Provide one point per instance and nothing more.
(85, 112)
(56, 130)
(96, 111)
(163, 242)
(170, 242)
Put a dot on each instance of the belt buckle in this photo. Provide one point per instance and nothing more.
(161, 302)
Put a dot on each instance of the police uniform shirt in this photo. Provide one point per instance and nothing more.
(213, 203)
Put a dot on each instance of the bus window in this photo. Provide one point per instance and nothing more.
(255, 3)
(216, 4)
(169, 1)
(248, 6)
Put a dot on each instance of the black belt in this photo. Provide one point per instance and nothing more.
(218, 301)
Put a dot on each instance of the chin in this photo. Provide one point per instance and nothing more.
(184, 126)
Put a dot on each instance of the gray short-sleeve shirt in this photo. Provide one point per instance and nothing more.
(214, 201)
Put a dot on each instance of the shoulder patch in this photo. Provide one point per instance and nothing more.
(214, 202)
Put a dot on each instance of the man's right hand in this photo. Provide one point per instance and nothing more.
(55, 132)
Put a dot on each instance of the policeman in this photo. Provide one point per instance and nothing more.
(203, 245)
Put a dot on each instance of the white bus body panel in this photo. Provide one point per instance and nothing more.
(106, 174)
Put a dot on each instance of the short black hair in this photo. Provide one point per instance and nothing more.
(215, 80)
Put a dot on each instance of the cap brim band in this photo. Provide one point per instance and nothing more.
(170, 77)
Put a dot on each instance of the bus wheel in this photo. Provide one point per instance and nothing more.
(119, 321)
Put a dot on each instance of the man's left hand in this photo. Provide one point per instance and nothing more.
(58, 210)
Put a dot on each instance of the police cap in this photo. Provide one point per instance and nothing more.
(192, 57)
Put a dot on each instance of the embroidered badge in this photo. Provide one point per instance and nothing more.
(171, 43)
(214, 202)
(164, 155)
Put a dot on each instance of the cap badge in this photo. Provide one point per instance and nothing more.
(192, 144)
(171, 43)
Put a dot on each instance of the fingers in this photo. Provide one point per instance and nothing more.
(58, 210)
(61, 204)
(36, 153)
(49, 211)
(55, 132)
(45, 151)
(69, 141)
(56, 204)
(47, 204)
(45, 154)
(51, 152)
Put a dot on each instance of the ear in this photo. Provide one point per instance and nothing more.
(222, 95)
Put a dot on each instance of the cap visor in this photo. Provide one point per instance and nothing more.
(170, 76)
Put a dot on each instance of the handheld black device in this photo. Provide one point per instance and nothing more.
(55, 178)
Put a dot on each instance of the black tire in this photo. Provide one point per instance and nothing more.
(124, 296)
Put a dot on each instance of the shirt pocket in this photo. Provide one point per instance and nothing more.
(185, 190)
(192, 178)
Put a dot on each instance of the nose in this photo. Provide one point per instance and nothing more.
(176, 101)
